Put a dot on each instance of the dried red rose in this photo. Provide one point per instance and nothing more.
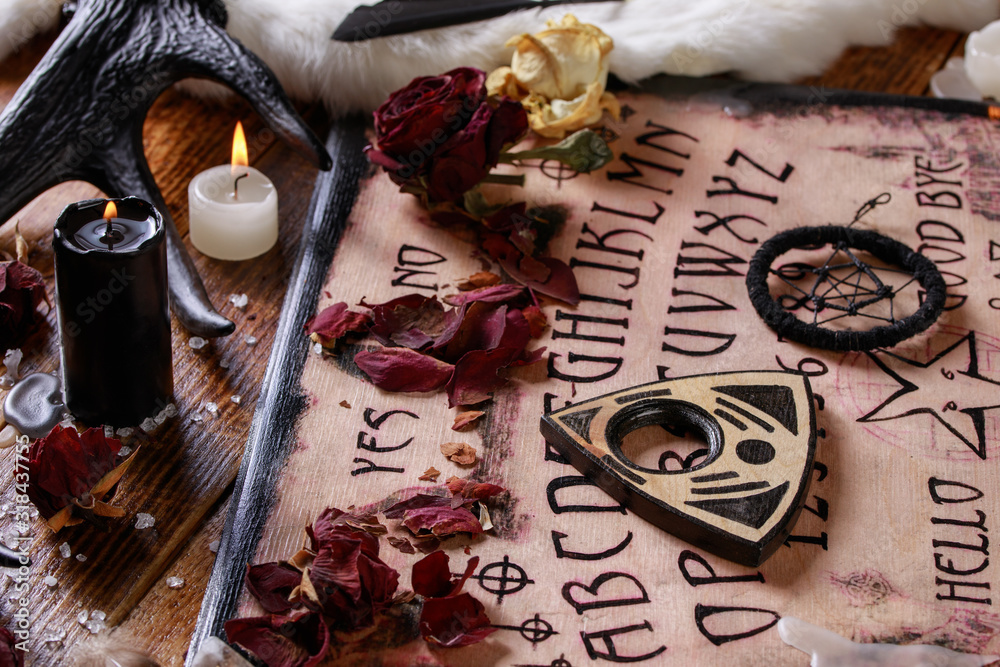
(449, 618)
(9, 655)
(440, 135)
(70, 473)
(335, 322)
(22, 290)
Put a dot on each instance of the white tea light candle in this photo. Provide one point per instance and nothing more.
(982, 60)
(233, 209)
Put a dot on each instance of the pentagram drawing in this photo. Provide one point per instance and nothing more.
(952, 402)
(846, 289)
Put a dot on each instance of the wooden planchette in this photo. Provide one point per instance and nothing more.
(741, 502)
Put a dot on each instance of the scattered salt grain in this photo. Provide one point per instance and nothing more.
(224, 364)
(160, 418)
(81, 558)
(125, 432)
(148, 425)
(109, 431)
(11, 541)
(95, 626)
(54, 639)
(236, 398)
(51, 581)
(98, 615)
(213, 546)
(250, 340)
(143, 520)
(197, 342)
(239, 300)
(82, 617)
(175, 582)
(124, 451)
(212, 407)
(64, 550)
(317, 348)
(197, 417)
(170, 410)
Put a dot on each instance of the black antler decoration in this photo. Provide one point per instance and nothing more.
(79, 115)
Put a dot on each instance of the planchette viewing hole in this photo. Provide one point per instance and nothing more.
(664, 437)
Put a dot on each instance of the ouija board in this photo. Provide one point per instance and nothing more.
(893, 541)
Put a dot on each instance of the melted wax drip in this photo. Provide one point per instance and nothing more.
(831, 650)
(35, 405)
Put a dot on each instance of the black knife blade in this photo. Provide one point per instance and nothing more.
(398, 17)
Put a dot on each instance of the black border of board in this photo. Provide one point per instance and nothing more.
(281, 401)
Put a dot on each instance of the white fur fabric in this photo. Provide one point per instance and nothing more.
(765, 40)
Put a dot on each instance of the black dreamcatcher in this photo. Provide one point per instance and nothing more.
(848, 300)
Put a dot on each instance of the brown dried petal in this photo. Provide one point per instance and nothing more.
(459, 452)
(463, 420)
(430, 475)
(481, 279)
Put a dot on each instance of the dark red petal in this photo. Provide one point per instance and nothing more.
(65, 465)
(442, 521)
(476, 376)
(272, 584)
(402, 369)
(336, 321)
(494, 294)
(472, 490)
(9, 655)
(453, 622)
(431, 576)
(297, 640)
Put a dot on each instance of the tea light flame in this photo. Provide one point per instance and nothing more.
(110, 211)
(239, 149)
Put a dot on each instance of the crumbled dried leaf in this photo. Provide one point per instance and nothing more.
(430, 475)
(463, 420)
(461, 453)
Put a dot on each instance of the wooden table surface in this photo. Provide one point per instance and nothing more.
(184, 474)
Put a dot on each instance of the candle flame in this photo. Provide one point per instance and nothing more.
(110, 211)
(239, 148)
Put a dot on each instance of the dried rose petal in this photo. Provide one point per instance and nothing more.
(455, 621)
(9, 655)
(537, 322)
(481, 279)
(482, 328)
(22, 290)
(470, 490)
(272, 584)
(494, 294)
(346, 580)
(465, 419)
(402, 369)
(459, 452)
(414, 321)
(300, 639)
(476, 376)
(67, 469)
(432, 577)
(335, 322)
(435, 515)
(402, 544)
(430, 475)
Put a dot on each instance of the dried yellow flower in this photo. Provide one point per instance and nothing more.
(559, 75)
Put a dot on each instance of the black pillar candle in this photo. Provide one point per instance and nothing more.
(111, 291)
